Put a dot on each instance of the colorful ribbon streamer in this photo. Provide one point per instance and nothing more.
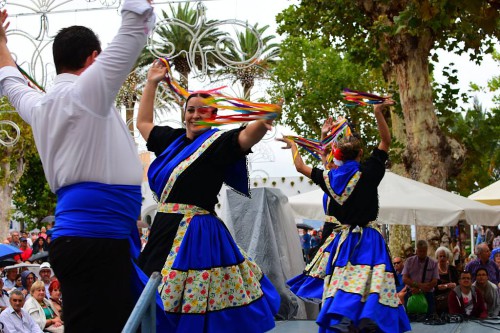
(245, 110)
(361, 98)
(314, 147)
(318, 148)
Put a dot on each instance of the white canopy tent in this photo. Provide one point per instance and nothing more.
(489, 195)
(407, 202)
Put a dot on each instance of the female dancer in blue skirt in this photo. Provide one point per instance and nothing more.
(309, 285)
(208, 284)
(359, 291)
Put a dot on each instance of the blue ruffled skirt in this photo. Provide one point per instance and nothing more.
(360, 285)
(210, 285)
(309, 285)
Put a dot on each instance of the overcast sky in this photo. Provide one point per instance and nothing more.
(105, 23)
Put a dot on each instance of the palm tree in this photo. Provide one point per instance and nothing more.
(178, 33)
(248, 46)
(175, 34)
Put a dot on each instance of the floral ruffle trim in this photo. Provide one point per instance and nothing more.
(363, 280)
(317, 267)
(201, 291)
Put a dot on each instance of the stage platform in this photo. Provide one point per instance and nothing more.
(484, 326)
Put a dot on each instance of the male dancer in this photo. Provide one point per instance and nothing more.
(90, 162)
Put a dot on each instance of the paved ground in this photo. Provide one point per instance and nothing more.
(485, 326)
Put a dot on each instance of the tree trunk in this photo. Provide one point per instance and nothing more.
(399, 239)
(7, 183)
(5, 208)
(430, 156)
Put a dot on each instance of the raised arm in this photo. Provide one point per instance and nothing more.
(327, 126)
(99, 84)
(12, 83)
(146, 106)
(5, 57)
(383, 129)
(300, 166)
(253, 133)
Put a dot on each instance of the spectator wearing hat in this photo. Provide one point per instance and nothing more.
(28, 238)
(15, 318)
(45, 275)
(27, 251)
(27, 278)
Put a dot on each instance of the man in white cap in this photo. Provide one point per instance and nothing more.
(45, 275)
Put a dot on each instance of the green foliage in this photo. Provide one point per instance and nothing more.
(33, 197)
(176, 37)
(494, 82)
(21, 169)
(478, 130)
(365, 28)
(12, 157)
(247, 47)
(448, 98)
(311, 77)
(399, 37)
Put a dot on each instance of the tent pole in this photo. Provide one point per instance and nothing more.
(472, 249)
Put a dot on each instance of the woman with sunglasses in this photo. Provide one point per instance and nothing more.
(209, 284)
(359, 289)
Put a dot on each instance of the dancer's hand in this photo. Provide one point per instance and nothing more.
(388, 101)
(327, 126)
(157, 72)
(3, 26)
(288, 142)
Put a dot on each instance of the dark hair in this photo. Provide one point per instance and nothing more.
(197, 94)
(481, 269)
(72, 46)
(350, 147)
(465, 272)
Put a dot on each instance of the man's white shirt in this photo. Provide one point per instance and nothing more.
(79, 134)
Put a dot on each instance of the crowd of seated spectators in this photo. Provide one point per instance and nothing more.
(471, 291)
(30, 298)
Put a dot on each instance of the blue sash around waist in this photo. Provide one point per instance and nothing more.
(96, 210)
